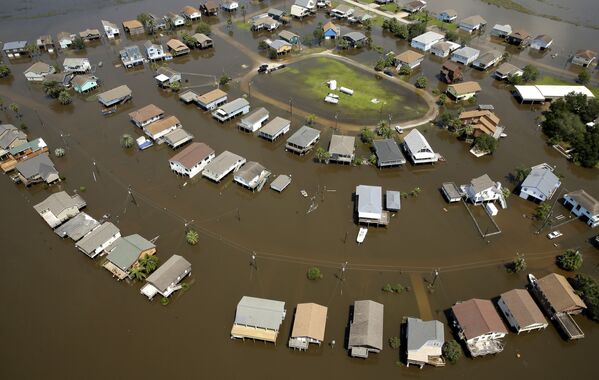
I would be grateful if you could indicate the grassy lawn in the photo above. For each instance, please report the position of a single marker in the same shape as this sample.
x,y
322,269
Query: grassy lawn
x,y
378,21
442,25
391,7
242,25
549,80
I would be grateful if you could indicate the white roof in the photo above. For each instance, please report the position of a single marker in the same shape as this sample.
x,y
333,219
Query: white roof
x,y
370,201
540,93
428,38
161,77
530,93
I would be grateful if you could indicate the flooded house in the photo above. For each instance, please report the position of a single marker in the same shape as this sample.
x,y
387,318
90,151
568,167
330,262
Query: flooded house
x,y
46,43
229,5
482,190
192,160
425,342
98,239
191,13
110,29
133,27
38,169
158,129
289,36
584,206
165,76
212,99
342,149
542,93
418,149
507,70
309,325
146,115
117,95
175,19
426,40
451,192
38,71
414,6
258,319
331,31
279,46
519,37
303,140
451,72
154,51
23,152
59,207
90,34
360,16
230,110
64,39
463,91
479,325
254,121
202,41
124,254
559,302
167,278
355,39
369,206
366,329
10,137
84,83
444,48
448,15
388,153
76,65
541,42
482,122
177,47
209,8
465,55
521,311
341,11
252,176
131,56
501,31
487,59
275,128
408,58
222,165
265,23
540,184
77,227
62,79
15,49
177,138
584,58
303,8
472,23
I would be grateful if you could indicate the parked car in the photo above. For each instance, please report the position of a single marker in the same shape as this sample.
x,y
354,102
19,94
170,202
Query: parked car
x,y
554,235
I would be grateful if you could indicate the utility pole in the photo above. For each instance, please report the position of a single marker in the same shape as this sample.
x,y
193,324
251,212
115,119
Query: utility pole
x,y
253,263
130,191
436,275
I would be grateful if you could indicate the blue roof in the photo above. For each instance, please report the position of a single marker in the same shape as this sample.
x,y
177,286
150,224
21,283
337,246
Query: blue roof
x,y
15,45
542,179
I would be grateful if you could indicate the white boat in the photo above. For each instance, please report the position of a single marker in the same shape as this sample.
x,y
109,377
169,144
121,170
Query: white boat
x,y
554,234
143,143
304,193
532,279
503,135
331,100
362,234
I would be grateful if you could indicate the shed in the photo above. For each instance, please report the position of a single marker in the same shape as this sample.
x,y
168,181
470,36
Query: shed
x,y
280,183
392,200
275,128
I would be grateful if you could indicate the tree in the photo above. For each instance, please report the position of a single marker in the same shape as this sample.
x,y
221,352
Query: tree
x,y
452,35
64,98
314,273
14,107
137,273
542,211
126,141
59,152
485,143
405,70
189,40
570,261
520,173
318,34
516,266
372,159
310,119
514,79
367,24
192,237
204,28
505,57
224,80
147,21
4,71
588,289
442,100
452,351
52,89
449,120
263,45
385,130
272,54
78,43
367,135
530,73
149,263
394,342
342,44
416,29
421,82
322,155
584,77
175,86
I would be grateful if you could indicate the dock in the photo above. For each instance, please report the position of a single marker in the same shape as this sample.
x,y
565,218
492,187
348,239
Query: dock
x,y
452,192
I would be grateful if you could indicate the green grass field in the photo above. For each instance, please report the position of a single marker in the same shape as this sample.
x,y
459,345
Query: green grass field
x,y
242,25
549,80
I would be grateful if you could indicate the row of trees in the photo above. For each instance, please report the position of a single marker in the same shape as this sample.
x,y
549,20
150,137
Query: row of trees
x,y
54,90
403,31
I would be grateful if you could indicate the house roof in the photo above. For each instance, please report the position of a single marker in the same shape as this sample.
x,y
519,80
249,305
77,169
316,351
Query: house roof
x,y
503,28
451,66
559,293
420,332
409,56
62,78
507,68
189,10
392,200
415,142
108,24
305,3
34,145
343,145
149,44
80,80
146,113
428,38
522,307
482,183
275,12
449,12
484,120
465,87
125,251
542,92
544,37
169,272
193,154
77,227
39,165
387,150
14,45
329,25
274,126
210,4
97,237
370,200
177,137
175,44
367,325
234,105
520,34
211,96
39,68
280,183
63,36
488,57
59,202
255,116
304,136
132,24
260,312
131,52
114,94
588,54
355,36
73,62
10,135
474,20
467,52
343,8
478,317
162,124
310,321
543,179
287,35
278,44
585,200
201,38
250,170
223,162
89,33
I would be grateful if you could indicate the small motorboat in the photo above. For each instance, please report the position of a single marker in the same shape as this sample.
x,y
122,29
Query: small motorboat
x,y
304,193
554,234
143,143
362,235
532,279
503,135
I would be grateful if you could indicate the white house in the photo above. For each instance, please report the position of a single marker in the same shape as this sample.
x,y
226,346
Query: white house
x,y
501,31
299,12
175,19
521,311
59,207
472,23
426,40
541,42
479,325
584,58
418,149
409,58
228,111
110,29
425,340
308,4
158,129
38,71
465,55
540,184
191,13
76,65
444,48
369,205
342,11
212,99
255,120
584,206
146,115
64,39
230,5
191,160
98,239
251,175
154,51
165,280
482,189
223,164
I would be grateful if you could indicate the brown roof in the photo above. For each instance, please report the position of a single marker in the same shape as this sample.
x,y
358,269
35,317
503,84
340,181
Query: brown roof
x,y
310,321
211,96
145,113
478,317
189,10
588,54
523,308
132,24
329,25
80,80
521,34
465,88
192,154
409,56
559,293
161,125
451,66
484,120
585,200
210,5
175,44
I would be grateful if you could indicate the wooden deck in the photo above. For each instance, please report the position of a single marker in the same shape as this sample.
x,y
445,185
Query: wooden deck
x,y
243,332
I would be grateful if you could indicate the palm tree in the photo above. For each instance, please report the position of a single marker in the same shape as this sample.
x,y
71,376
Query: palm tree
x,y
126,141
322,155
52,89
64,98
149,263
4,71
192,237
310,119
137,273
14,107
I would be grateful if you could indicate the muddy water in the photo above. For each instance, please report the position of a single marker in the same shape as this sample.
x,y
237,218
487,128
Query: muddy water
x,y
67,314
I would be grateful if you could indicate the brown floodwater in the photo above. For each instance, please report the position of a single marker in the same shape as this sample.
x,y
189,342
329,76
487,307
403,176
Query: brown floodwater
x,y
65,317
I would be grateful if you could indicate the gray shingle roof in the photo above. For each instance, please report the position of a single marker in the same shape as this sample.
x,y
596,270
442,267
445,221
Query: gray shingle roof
x,y
58,202
250,171
370,199
481,183
260,312
387,150
97,237
39,165
343,145
303,136
543,180
77,227
125,251
367,325
420,332
168,272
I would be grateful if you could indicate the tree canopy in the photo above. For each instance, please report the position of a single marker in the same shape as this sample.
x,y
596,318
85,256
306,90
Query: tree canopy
x,y
588,289
485,143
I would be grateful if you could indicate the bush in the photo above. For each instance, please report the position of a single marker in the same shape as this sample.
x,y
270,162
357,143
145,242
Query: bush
x,y
452,351
516,266
485,143
203,28
126,141
570,261
367,135
587,288
394,342
82,189
421,82
164,301
405,70
78,43
584,77
530,73
314,273
64,98
224,80
4,71
192,237
542,211
393,288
